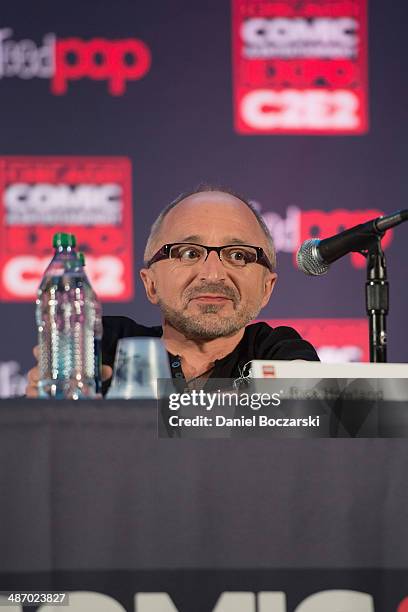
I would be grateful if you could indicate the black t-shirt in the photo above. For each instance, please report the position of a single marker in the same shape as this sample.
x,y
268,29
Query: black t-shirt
x,y
260,341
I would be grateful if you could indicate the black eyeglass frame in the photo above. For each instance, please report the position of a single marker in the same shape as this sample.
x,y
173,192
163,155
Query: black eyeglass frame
x,y
164,253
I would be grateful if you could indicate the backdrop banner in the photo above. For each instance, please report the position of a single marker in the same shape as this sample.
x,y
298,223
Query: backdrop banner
x,y
110,111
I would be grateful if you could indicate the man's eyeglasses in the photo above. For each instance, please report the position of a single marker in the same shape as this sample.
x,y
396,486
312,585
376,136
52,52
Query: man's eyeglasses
x,y
231,255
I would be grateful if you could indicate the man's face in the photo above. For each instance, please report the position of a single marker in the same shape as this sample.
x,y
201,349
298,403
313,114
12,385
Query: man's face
x,y
208,300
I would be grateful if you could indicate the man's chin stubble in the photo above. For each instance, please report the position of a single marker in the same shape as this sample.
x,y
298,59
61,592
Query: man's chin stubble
x,y
207,325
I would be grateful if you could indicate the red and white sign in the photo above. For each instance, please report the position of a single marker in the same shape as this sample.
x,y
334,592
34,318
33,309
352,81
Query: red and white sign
x,y
335,340
88,196
69,59
300,67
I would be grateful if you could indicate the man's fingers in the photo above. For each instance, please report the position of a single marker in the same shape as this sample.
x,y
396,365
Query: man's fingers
x,y
31,391
33,376
106,372
32,382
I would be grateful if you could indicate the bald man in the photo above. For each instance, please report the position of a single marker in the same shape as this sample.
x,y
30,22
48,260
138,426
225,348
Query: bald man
x,y
209,265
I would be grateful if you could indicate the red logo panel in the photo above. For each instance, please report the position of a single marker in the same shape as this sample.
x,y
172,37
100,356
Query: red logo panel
x,y
88,196
336,340
300,67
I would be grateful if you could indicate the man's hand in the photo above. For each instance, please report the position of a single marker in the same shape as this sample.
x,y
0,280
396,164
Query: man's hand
x,y
107,372
33,375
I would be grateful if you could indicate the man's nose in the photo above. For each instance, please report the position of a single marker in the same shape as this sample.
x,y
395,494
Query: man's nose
x,y
212,267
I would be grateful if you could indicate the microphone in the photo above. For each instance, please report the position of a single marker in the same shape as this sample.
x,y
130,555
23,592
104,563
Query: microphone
x,y
315,256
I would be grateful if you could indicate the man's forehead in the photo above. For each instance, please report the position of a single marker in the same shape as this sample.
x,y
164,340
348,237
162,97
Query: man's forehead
x,y
203,212
203,198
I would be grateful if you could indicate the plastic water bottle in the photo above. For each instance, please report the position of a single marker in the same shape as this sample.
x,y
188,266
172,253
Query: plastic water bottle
x,y
96,330
68,316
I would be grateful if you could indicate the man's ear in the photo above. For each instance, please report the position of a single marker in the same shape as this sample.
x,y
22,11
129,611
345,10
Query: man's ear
x,y
269,283
147,276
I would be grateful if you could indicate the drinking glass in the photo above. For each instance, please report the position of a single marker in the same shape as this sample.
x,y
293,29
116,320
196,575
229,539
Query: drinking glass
x,y
139,363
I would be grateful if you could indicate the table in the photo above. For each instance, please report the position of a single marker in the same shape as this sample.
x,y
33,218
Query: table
x,y
92,500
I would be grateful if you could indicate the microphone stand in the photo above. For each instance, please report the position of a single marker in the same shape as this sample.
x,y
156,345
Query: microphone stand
x,y
377,300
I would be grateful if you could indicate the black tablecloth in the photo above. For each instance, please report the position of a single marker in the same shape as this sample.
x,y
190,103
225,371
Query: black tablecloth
x,y
92,499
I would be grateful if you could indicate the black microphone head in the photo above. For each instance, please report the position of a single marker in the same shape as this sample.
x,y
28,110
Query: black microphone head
x,y
309,259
